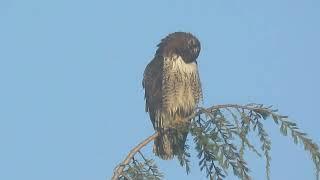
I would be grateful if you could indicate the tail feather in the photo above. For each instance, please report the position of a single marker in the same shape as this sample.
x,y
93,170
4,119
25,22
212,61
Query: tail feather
x,y
170,143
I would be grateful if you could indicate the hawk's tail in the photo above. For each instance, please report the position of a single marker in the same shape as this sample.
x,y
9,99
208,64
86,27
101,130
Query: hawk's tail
x,y
170,143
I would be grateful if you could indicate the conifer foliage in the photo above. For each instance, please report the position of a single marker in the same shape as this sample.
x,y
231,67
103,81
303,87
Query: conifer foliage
x,y
220,134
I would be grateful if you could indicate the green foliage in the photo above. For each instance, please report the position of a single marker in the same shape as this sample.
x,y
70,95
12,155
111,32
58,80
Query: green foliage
x,y
220,134
142,169
212,134
301,137
184,159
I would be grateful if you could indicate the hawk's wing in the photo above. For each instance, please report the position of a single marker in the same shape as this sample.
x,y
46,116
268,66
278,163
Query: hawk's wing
x,y
152,83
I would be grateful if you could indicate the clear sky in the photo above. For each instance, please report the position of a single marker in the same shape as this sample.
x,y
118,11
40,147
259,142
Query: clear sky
x,y
71,101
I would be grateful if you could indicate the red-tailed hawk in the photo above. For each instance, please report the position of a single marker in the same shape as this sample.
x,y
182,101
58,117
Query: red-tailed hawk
x,y
172,91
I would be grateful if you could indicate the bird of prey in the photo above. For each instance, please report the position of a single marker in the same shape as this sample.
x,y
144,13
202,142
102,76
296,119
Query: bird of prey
x,y
172,91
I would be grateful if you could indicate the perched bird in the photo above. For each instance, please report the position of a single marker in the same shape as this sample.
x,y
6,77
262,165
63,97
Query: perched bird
x,y
172,91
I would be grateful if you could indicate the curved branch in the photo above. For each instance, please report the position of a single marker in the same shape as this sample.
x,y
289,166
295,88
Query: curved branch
x,y
231,106
119,169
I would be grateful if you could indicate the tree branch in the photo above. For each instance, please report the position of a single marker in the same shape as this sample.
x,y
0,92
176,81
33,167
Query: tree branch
x,y
119,169
253,112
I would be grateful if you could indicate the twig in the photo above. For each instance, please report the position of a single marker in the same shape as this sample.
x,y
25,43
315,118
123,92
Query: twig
x,y
147,162
144,158
118,171
223,106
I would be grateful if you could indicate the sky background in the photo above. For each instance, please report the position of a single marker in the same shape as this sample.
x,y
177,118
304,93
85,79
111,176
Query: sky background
x,y
71,100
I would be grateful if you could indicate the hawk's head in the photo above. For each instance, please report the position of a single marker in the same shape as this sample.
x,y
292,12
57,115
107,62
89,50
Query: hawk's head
x,y
182,44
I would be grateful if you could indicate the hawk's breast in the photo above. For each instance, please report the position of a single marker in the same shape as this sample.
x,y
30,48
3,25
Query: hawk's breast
x,y
181,86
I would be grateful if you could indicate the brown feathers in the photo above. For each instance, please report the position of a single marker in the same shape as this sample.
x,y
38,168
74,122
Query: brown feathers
x,y
172,91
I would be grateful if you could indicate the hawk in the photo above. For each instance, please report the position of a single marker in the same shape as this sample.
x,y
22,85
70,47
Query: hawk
x,y
172,91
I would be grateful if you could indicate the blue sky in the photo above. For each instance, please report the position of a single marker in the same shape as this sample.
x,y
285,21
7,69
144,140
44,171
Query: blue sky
x,y
71,101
